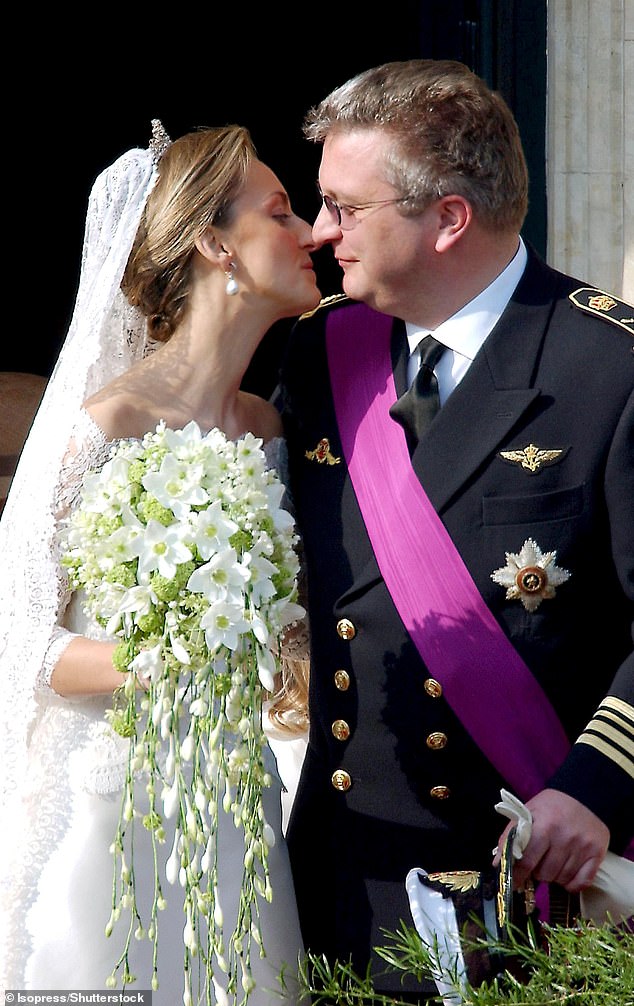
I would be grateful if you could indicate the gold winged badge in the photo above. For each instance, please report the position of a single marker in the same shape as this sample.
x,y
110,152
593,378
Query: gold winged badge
x,y
531,457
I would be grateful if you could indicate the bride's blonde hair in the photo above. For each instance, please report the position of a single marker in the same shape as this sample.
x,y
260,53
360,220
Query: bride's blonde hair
x,y
199,177
288,708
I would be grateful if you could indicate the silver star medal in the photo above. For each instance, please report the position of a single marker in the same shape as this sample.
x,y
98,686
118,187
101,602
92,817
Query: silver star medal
x,y
530,575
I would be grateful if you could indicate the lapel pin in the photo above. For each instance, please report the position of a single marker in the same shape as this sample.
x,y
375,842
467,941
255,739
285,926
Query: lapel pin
x,y
322,453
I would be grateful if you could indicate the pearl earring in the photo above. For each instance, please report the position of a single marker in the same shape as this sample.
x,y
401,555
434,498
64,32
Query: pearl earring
x,y
232,287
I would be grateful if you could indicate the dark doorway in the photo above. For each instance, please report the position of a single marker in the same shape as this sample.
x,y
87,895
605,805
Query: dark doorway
x,y
98,90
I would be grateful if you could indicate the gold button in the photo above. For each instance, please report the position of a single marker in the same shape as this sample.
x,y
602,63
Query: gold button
x,y
346,629
440,792
342,680
340,730
341,780
433,688
437,741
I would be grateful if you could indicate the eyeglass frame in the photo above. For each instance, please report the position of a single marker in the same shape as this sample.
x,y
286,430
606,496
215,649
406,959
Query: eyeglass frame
x,y
335,209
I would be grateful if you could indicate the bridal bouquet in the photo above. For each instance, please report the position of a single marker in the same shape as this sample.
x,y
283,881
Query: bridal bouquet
x,y
182,550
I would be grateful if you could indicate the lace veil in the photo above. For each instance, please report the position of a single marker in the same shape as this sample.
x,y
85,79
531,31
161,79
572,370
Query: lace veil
x,y
105,337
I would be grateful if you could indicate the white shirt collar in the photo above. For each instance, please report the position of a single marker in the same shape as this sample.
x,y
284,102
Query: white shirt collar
x,y
466,330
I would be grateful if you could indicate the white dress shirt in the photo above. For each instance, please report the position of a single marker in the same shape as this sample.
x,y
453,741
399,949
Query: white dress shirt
x,y
464,333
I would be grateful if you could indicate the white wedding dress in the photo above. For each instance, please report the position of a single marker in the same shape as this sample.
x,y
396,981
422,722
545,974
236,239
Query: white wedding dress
x,y
60,865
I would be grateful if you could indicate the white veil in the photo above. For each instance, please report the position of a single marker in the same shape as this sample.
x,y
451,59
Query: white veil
x,y
104,338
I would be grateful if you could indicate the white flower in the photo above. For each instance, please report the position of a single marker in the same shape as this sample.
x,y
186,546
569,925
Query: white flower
x,y
106,491
261,572
148,664
137,599
212,529
223,623
288,612
162,548
173,864
221,996
266,668
222,578
121,545
530,575
176,485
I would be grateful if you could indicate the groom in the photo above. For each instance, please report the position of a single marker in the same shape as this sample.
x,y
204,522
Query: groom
x,y
470,607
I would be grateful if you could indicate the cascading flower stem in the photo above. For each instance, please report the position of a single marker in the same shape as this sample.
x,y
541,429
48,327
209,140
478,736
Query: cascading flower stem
x,y
182,550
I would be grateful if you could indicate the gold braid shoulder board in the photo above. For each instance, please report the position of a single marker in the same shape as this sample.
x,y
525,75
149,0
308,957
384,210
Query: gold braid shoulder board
x,y
604,305
334,298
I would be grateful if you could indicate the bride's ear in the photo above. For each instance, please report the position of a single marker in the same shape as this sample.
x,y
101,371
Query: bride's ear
x,y
211,248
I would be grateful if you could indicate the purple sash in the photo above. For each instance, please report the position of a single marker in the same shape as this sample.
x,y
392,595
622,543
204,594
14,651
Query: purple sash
x,y
484,679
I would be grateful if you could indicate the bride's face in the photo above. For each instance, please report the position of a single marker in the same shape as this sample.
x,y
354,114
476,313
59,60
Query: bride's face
x,y
271,246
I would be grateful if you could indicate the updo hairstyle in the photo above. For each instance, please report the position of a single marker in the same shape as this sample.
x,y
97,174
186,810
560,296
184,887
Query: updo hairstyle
x,y
200,176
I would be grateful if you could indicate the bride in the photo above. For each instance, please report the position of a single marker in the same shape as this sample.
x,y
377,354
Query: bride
x,y
200,237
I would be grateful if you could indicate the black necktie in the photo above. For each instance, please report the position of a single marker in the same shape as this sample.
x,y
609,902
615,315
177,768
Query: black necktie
x,y
417,407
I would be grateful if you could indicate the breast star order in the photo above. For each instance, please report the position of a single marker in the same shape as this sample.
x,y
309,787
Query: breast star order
x,y
530,575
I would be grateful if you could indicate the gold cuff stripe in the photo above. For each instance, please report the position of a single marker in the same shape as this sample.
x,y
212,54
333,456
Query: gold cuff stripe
x,y
603,747
612,734
620,707
615,722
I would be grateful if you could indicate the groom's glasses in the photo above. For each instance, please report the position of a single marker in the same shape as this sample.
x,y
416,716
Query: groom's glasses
x,y
345,214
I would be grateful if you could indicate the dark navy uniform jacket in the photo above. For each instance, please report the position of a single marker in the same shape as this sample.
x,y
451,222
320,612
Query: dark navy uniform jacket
x,y
392,780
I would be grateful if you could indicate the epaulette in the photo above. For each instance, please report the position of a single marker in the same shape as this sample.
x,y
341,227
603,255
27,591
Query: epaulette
x,y
334,298
604,305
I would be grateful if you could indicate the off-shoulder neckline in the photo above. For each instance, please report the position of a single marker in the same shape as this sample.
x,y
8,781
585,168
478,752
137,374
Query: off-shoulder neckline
x,y
111,440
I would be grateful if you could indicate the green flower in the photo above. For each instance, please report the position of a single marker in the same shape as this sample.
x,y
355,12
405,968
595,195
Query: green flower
x,y
122,656
150,624
150,509
124,574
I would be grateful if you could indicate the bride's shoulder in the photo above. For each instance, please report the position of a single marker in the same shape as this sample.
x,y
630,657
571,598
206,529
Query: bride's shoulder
x,y
117,415
264,419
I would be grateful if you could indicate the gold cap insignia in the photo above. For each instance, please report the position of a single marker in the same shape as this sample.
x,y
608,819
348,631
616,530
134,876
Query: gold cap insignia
x,y
604,305
532,458
457,880
322,453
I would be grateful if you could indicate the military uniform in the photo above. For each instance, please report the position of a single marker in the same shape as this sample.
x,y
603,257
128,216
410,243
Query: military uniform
x,y
536,442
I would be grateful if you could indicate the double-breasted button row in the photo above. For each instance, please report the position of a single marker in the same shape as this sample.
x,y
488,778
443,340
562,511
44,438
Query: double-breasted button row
x,y
437,740
340,779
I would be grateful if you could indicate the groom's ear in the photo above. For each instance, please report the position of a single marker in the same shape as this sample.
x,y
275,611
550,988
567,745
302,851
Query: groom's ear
x,y
453,219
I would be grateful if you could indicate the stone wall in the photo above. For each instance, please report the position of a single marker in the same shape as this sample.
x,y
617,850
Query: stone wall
x,y
590,141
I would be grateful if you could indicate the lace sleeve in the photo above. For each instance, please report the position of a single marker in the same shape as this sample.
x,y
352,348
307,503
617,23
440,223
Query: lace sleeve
x,y
88,448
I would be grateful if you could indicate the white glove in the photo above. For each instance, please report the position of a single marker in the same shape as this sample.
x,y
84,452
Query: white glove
x,y
610,897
